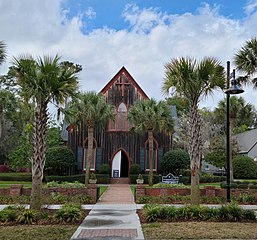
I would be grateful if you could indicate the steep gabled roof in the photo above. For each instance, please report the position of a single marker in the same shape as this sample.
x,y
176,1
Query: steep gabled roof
x,y
246,140
123,70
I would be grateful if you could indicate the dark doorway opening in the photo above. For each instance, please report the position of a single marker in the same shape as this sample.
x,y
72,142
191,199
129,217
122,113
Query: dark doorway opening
x,y
124,165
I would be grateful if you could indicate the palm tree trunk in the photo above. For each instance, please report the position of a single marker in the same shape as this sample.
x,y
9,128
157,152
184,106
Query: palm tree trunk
x,y
89,153
150,138
195,152
38,156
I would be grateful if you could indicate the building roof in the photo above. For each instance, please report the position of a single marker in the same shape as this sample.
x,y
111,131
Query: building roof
x,y
246,140
123,70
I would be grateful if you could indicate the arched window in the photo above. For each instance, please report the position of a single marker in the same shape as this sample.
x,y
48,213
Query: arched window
x,y
155,155
122,122
121,119
93,160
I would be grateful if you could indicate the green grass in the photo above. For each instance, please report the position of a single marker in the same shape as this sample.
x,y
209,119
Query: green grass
x,y
32,232
103,189
133,189
200,230
16,174
6,184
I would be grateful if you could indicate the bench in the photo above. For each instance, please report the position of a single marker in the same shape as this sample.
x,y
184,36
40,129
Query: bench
x,y
170,179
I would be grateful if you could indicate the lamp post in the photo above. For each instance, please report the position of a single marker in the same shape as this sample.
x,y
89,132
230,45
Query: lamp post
x,y
234,89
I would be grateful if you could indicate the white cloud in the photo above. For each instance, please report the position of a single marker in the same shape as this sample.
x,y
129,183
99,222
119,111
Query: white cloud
x,y
90,13
250,7
153,38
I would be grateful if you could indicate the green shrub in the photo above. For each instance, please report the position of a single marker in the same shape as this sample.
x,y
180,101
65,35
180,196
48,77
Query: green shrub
x,y
135,169
68,213
59,160
101,178
244,167
27,216
104,169
75,184
229,212
9,214
174,161
166,185
17,177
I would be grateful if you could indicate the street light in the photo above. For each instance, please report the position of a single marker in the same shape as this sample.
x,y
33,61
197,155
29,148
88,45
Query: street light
x,y
234,89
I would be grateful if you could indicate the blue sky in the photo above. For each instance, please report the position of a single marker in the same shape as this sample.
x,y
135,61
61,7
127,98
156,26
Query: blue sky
x,y
142,35
109,12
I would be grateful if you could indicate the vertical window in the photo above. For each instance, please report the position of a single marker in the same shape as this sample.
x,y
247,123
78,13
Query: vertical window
x,y
155,155
122,124
93,159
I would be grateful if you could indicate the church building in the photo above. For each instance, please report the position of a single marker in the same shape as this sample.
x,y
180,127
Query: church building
x,y
116,145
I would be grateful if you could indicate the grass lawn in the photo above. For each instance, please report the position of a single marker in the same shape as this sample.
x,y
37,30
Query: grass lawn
x,y
200,230
102,189
6,184
42,232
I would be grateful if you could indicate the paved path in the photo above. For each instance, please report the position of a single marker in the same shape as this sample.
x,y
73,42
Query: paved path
x,y
113,217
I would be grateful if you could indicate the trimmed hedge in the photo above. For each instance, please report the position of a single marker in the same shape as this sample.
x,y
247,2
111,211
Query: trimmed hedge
x,y
240,185
17,177
101,178
203,179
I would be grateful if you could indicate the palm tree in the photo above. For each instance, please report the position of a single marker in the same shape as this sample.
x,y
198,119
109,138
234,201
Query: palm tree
x,y
150,116
193,80
91,109
2,52
246,60
43,81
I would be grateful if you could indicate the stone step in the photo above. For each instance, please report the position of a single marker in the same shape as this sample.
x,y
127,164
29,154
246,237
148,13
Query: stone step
x,y
120,180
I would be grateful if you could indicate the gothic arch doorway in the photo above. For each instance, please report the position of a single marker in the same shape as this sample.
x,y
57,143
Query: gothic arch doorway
x,y
120,164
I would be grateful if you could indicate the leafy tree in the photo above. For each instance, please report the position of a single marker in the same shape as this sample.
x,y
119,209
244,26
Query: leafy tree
x,y
91,109
242,115
42,81
150,116
59,160
244,167
20,156
182,104
174,161
246,61
193,80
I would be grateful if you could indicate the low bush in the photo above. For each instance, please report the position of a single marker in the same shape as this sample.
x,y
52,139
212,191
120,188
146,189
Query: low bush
x,y
240,185
135,169
75,184
101,178
229,212
57,198
156,178
27,216
17,177
68,213
166,185
104,169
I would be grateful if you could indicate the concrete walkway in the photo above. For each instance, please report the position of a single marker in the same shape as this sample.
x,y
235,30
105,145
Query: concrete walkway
x,y
113,217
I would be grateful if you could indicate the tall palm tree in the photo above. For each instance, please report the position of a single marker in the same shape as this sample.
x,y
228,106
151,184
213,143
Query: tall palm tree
x,y
91,109
43,81
2,52
193,80
246,60
150,116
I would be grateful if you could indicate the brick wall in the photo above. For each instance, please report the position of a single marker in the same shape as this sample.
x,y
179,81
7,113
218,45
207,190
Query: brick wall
x,y
18,190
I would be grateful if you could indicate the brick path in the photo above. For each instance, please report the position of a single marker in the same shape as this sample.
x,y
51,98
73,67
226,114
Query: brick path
x,y
117,194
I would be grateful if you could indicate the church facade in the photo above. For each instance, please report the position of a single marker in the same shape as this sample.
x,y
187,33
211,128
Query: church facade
x,y
116,145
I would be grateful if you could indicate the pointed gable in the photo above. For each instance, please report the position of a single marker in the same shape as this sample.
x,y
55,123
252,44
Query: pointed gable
x,y
123,88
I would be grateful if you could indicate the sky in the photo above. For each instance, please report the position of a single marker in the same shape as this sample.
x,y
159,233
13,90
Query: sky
x,y
142,35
